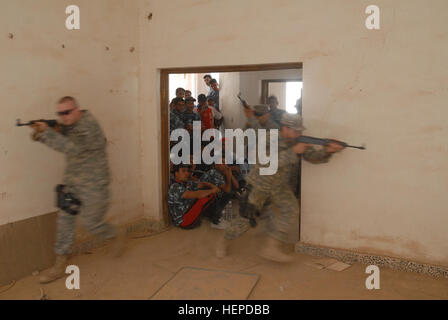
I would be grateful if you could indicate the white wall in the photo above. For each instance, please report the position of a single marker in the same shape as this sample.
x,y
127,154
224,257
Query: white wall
x,y
36,71
385,88
229,103
278,89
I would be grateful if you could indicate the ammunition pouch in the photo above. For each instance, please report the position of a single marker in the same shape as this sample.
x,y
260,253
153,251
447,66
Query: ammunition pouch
x,y
66,201
248,210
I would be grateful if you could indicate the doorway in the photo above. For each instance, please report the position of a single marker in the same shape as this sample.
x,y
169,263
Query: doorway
x,y
193,75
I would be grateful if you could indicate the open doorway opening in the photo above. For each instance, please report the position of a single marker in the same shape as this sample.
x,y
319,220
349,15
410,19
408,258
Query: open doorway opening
x,y
288,92
255,84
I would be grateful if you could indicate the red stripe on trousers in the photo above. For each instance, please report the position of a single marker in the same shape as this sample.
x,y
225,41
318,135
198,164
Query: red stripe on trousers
x,y
196,210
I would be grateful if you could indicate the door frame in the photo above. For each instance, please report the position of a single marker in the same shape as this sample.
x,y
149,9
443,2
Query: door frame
x,y
164,110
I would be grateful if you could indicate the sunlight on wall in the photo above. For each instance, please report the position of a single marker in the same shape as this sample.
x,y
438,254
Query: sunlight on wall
x,y
293,93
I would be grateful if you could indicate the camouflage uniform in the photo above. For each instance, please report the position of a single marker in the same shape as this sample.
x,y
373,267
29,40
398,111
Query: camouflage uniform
x,y
86,176
176,120
178,206
273,193
214,177
253,123
270,124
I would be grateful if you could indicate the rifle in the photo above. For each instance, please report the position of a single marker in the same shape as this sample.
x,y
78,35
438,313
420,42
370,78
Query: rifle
x,y
50,123
243,102
311,140
323,142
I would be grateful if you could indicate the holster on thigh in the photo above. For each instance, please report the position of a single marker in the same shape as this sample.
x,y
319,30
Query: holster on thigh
x,y
66,201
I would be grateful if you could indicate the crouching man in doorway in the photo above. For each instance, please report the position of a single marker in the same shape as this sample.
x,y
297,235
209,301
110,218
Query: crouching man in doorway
x,y
85,189
187,203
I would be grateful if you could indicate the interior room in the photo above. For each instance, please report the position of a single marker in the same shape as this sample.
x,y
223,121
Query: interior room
x,y
107,73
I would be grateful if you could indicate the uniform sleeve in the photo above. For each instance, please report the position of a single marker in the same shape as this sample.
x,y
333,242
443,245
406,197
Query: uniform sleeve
x,y
174,199
194,186
90,139
218,179
316,156
287,157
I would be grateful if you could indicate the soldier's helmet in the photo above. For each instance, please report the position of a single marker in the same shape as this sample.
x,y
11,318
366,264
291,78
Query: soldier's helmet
x,y
293,121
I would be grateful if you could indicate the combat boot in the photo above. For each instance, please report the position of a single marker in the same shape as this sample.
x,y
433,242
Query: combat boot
x,y
55,272
273,251
221,247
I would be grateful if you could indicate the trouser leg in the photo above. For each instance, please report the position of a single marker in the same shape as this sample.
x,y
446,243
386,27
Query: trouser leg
x,y
236,228
65,233
93,210
204,206
284,225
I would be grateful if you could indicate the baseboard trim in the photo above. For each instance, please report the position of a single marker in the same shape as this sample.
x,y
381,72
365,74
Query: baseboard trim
x,y
351,257
27,245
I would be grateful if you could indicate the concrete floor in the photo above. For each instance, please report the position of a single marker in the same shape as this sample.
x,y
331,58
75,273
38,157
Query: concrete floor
x,y
150,261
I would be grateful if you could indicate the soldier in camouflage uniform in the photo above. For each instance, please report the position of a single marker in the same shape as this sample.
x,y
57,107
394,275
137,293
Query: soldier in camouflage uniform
x,y
86,177
274,192
260,118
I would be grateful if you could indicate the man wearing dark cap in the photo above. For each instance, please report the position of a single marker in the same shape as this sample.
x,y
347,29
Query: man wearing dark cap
x,y
176,114
273,192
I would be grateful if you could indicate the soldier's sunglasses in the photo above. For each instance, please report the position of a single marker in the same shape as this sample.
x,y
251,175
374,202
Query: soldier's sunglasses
x,y
65,113
258,114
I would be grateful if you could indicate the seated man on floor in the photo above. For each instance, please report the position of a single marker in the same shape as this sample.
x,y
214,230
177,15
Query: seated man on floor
x,y
221,176
189,201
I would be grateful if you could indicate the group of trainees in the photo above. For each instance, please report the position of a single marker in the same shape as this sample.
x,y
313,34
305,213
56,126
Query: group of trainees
x,y
184,110
203,190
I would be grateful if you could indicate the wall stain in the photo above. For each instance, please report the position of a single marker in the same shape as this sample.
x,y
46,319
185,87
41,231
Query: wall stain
x,y
410,245
431,129
4,151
